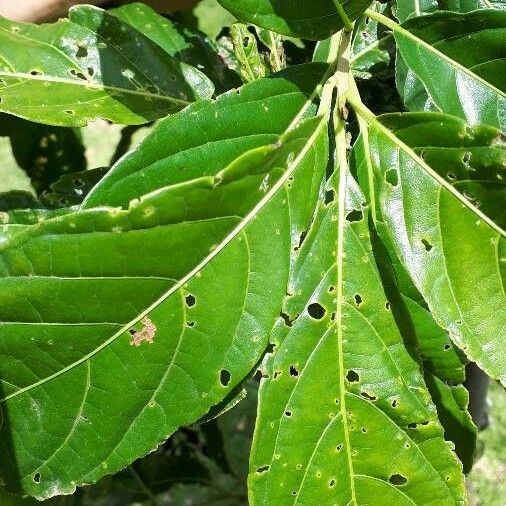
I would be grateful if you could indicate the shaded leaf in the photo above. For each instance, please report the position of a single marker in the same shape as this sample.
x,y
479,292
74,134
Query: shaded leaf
x,y
43,152
314,19
192,47
93,66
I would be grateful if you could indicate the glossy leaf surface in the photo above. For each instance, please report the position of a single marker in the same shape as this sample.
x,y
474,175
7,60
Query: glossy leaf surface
x,y
93,66
438,235
342,389
311,19
463,51
186,266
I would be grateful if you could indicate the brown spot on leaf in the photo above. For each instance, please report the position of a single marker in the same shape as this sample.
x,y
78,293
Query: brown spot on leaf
x,y
147,333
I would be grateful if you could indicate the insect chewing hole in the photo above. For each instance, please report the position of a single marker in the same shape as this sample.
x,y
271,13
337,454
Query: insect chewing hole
x,y
397,479
225,377
35,73
339,447
466,158
287,319
37,477
358,299
91,71
77,74
263,469
316,311
355,215
190,300
190,324
330,196
363,430
451,176
82,52
391,177
294,371
69,112
332,483
412,425
352,376
427,245
288,414
447,347
368,396
394,403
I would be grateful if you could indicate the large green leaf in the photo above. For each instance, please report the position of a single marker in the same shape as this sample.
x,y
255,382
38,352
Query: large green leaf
x,y
344,414
463,51
192,47
139,320
93,66
471,159
439,234
311,19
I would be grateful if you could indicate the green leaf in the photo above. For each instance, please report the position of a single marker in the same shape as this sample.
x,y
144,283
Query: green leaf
x,y
464,51
93,66
188,46
251,63
438,234
405,9
150,315
370,46
222,136
471,159
342,390
311,19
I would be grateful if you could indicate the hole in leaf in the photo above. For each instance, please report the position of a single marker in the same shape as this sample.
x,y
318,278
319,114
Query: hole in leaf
x,y
225,377
276,374
394,403
451,176
316,311
132,332
330,195
368,396
466,158
363,430
352,376
37,477
82,52
263,469
354,215
35,73
339,447
391,177
301,240
293,371
69,112
91,71
190,300
190,324
427,245
77,74
331,289
288,414
412,425
332,483
286,318
387,305
358,299
270,348
447,347
397,479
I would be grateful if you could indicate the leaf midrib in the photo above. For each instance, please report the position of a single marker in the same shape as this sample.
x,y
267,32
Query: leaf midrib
x,y
229,238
